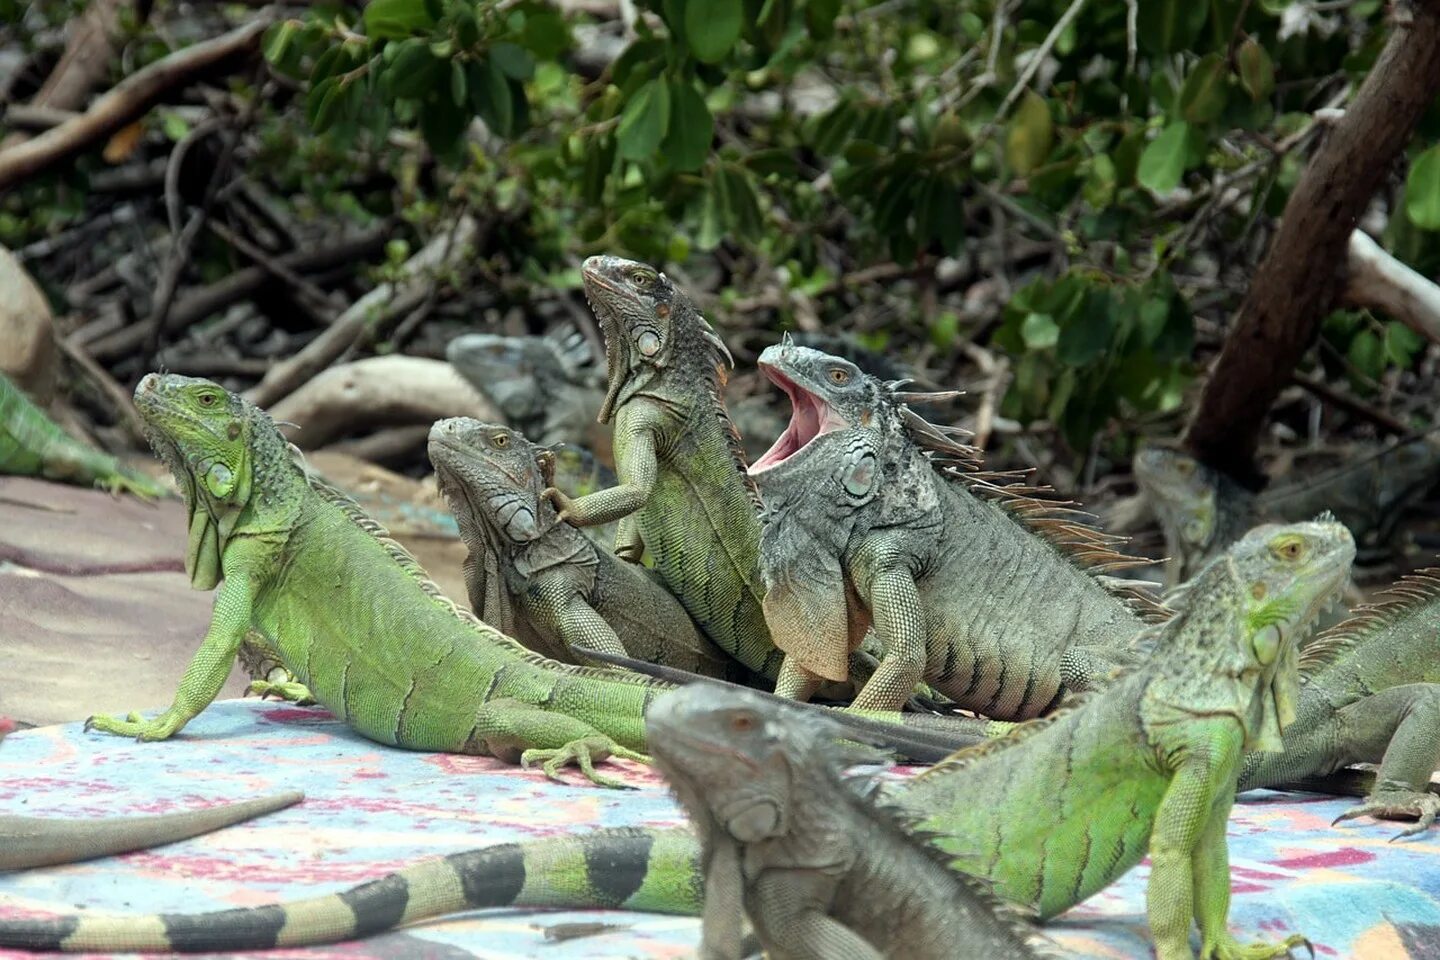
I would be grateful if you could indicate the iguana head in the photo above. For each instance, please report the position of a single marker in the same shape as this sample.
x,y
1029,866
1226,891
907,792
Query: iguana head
x,y
520,375
828,395
220,447
492,474
730,751
650,325
1182,491
1251,607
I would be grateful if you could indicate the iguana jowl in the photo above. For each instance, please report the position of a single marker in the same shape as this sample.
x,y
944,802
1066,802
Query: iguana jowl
x,y
542,581
821,869
865,524
27,842
1148,764
683,492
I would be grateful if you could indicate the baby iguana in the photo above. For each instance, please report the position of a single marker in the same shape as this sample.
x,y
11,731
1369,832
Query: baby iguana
x,y
821,870
1371,694
683,490
542,581
27,842
31,444
1149,764
870,519
352,615
1202,511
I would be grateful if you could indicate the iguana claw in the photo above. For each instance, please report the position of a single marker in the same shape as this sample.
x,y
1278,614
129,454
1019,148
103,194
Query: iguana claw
x,y
561,501
1397,805
291,691
1231,949
134,725
583,753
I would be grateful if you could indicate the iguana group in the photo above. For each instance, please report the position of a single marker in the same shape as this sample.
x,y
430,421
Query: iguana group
x,y
27,842
352,616
1202,511
875,516
1149,764
542,581
31,444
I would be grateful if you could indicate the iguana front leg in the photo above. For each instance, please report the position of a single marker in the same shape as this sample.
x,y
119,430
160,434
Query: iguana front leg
x,y
211,664
515,731
722,918
1401,725
637,464
900,625
791,908
557,605
629,545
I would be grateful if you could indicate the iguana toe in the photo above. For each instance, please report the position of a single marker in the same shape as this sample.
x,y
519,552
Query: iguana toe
x,y
583,753
1231,949
288,690
1397,805
134,725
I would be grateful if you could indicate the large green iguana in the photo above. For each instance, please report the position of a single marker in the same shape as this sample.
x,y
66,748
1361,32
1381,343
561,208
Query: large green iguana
x,y
27,842
1202,511
1148,764
1371,695
874,516
683,492
542,581
31,444
352,616
819,868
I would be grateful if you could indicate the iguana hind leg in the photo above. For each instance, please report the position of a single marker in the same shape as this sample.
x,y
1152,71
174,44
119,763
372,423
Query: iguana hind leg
x,y
1399,727
518,732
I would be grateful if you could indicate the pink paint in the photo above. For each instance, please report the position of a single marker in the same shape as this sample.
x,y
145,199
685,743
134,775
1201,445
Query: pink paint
x,y
1344,857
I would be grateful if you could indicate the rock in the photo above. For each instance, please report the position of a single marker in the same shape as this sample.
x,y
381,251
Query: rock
x,y
28,354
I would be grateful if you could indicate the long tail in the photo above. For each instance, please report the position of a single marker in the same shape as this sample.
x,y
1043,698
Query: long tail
x,y
651,870
27,842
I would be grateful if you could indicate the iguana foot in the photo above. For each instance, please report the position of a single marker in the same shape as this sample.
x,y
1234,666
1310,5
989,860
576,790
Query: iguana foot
x,y
161,728
1397,805
292,691
583,753
1231,949
561,501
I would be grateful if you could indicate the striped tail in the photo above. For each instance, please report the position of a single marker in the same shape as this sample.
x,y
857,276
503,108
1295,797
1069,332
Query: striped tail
x,y
628,868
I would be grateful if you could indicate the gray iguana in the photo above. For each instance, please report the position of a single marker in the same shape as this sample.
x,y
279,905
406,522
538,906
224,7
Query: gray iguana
x,y
1048,815
542,581
873,516
1202,511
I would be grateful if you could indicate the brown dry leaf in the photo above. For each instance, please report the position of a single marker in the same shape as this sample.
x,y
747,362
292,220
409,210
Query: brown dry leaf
x,y
123,143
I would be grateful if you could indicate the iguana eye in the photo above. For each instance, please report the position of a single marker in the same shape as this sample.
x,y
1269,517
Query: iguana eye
x,y
642,278
742,722
839,377
500,441
1185,468
207,399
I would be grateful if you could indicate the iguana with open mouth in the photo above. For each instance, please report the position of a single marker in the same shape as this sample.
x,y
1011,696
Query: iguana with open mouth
x,y
542,581
876,517
31,444
1202,511
1149,765
27,842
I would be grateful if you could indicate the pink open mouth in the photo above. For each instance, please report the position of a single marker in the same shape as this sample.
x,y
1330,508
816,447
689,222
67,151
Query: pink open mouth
x,y
810,417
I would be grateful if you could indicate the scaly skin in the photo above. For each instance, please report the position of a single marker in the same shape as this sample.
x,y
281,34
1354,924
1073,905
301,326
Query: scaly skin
x,y
352,615
1372,695
1148,764
27,842
542,581
820,870
682,486
862,527
1202,511
31,444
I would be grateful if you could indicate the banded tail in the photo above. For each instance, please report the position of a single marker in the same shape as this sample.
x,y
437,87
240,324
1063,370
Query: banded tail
x,y
651,870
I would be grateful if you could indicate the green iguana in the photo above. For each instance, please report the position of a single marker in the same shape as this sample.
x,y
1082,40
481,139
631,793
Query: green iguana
x,y
27,842
1371,695
31,444
1149,764
542,581
683,493
821,870
353,617
1202,511
874,516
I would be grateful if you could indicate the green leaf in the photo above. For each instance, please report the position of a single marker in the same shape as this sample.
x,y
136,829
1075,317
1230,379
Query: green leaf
x,y
328,109
1087,335
390,19
415,72
687,141
1202,99
1401,343
1367,355
1163,161
277,40
459,93
1257,73
644,121
1169,26
443,124
1031,134
1039,331
1422,190
490,96
514,61
737,202
712,27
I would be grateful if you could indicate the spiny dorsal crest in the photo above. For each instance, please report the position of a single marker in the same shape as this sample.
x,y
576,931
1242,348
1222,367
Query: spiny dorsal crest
x,y
1065,528
1404,597
969,756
